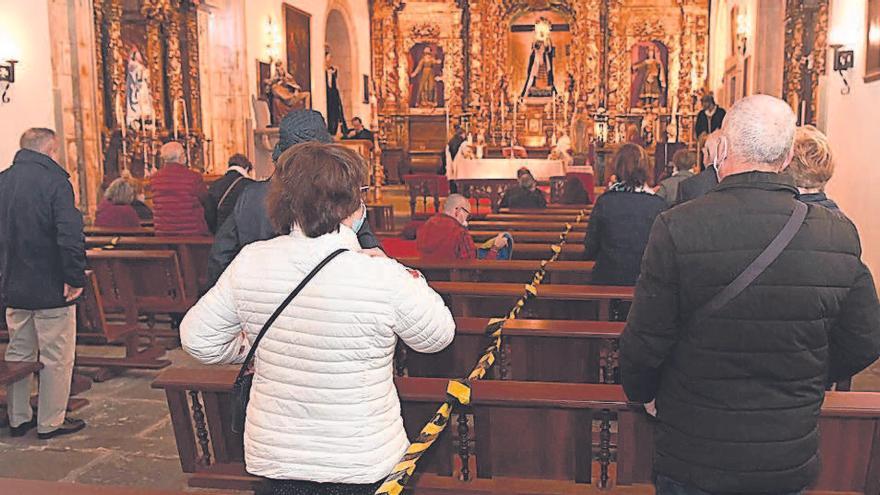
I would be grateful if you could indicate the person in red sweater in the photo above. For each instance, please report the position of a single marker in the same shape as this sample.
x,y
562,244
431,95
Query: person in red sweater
x,y
445,235
180,197
115,210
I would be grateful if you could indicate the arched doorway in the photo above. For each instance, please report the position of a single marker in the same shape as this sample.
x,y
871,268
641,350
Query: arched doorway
x,y
338,41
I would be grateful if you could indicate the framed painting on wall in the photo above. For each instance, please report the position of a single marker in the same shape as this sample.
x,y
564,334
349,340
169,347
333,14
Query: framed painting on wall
x,y
298,38
872,47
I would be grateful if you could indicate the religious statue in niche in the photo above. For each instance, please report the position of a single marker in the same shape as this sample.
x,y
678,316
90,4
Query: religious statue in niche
x,y
335,112
539,74
139,113
649,86
426,81
284,94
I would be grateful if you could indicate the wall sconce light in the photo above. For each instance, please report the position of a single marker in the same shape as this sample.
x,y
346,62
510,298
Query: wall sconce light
x,y
7,75
843,61
742,32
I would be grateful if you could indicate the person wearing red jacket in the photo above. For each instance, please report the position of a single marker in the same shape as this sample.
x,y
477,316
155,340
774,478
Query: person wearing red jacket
x,y
115,210
180,197
445,236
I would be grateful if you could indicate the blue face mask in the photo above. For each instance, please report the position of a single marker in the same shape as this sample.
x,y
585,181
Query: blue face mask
x,y
356,226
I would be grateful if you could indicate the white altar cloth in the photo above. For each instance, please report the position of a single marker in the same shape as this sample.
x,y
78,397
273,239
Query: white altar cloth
x,y
503,168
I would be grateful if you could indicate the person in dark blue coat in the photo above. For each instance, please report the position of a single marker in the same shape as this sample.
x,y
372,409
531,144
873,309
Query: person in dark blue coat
x,y
621,221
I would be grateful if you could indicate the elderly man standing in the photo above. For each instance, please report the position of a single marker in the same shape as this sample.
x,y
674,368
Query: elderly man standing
x,y
705,181
42,266
180,198
748,301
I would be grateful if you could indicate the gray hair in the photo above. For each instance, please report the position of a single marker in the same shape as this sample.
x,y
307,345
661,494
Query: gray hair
x,y
120,192
454,201
37,139
173,152
760,130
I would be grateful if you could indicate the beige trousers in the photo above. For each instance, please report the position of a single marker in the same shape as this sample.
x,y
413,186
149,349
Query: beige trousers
x,y
51,335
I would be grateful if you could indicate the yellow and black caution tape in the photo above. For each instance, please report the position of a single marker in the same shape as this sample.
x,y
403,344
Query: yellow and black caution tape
x,y
459,391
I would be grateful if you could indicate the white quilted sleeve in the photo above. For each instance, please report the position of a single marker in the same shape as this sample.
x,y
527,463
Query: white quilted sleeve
x,y
423,320
211,330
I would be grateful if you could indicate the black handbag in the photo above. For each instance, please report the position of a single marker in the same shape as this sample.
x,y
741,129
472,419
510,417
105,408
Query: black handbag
x,y
241,389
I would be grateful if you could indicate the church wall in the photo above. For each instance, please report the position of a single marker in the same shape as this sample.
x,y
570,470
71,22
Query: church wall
x,y
24,35
851,124
356,15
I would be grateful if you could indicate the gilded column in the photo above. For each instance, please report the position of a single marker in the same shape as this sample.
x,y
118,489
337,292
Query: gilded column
x,y
174,70
155,12
190,13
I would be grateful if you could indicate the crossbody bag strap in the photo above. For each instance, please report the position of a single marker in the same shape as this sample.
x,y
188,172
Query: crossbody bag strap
x,y
228,190
757,267
277,313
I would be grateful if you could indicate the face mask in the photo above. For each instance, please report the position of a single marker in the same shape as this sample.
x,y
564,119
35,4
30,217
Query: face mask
x,y
356,226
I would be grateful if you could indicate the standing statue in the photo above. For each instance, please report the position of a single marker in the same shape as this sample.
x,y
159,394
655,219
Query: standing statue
x,y
139,103
335,112
425,80
540,62
284,94
653,77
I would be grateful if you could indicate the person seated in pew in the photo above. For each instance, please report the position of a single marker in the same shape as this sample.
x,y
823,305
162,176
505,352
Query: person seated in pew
x,y
324,416
621,220
573,192
812,166
225,191
682,163
705,181
115,210
524,195
249,221
181,205
445,236
738,372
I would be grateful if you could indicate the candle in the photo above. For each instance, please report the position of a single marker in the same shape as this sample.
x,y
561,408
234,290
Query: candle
x,y
120,120
513,132
174,118
186,131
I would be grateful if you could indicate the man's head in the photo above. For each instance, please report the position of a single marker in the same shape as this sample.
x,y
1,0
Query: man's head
x,y
357,123
457,207
526,181
757,136
683,160
40,140
812,165
240,161
708,101
459,131
172,152
522,171
710,148
300,126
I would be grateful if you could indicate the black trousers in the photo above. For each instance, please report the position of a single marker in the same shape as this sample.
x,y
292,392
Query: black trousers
x,y
298,487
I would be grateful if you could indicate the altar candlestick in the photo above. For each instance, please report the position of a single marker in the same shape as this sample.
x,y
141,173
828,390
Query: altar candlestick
x,y
174,118
513,132
186,132
120,120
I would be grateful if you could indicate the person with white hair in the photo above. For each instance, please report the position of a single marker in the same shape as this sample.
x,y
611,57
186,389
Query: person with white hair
x,y
181,204
748,301
705,181
445,235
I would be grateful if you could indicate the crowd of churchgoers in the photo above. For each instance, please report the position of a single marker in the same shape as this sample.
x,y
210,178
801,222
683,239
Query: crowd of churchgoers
x,y
734,373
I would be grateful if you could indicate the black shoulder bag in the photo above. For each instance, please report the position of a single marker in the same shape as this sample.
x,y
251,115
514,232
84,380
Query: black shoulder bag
x,y
757,267
241,389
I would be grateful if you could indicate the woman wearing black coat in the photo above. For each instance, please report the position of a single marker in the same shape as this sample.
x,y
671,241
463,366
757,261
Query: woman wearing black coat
x,y
621,221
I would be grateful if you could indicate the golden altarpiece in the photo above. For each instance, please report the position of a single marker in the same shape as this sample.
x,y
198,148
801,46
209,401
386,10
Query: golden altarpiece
x,y
622,69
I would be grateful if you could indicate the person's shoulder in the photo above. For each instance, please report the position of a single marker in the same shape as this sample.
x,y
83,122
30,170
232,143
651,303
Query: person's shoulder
x,y
836,228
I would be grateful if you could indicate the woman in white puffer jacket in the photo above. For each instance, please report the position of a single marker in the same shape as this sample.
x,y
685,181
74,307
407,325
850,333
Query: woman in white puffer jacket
x,y
324,416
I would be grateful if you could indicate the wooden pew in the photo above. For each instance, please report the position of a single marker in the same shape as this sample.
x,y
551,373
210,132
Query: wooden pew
x,y
514,271
192,253
533,251
525,237
551,209
559,302
545,217
91,230
528,437
532,350
14,486
155,278
94,326
11,372
543,226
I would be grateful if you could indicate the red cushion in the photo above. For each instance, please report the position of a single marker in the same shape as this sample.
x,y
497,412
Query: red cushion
x,y
400,248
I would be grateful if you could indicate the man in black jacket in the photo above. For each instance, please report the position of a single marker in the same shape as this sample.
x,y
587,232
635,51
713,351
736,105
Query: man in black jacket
x,y
738,393
249,221
710,118
42,266
224,191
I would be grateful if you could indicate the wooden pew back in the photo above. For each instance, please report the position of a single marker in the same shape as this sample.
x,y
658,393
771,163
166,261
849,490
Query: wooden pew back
x,y
521,237
544,226
154,277
513,271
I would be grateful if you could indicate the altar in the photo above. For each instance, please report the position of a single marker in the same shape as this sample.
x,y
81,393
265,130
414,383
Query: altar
x,y
503,168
